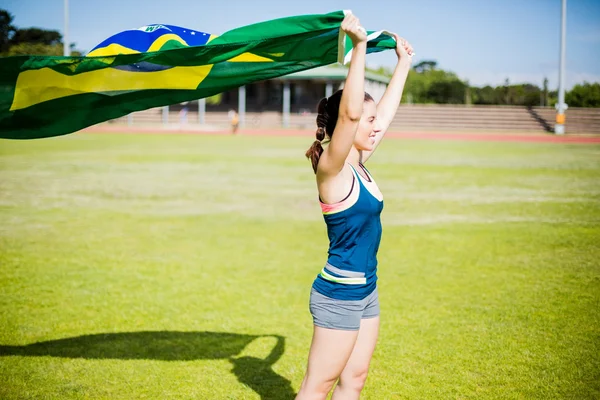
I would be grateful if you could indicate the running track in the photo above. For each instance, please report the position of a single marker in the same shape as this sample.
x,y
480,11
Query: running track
x,y
487,137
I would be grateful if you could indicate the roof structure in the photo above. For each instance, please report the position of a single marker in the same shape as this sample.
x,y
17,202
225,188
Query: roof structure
x,y
331,73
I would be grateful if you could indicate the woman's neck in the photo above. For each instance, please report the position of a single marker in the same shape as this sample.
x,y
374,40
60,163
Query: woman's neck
x,y
354,157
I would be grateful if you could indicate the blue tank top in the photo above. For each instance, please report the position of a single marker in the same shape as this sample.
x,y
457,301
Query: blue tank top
x,y
354,230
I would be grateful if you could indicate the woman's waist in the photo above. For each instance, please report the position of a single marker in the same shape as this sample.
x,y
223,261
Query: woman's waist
x,y
362,260
348,273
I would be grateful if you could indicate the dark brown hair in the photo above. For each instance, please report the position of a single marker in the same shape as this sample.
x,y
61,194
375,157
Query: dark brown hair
x,y
327,116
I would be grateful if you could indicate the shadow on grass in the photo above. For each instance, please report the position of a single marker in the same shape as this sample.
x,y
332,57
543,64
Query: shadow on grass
x,y
256,373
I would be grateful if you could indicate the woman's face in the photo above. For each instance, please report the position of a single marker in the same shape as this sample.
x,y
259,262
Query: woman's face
x,y
367,127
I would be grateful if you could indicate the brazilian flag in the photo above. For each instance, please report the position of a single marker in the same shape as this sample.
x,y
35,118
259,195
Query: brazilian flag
x,y
158,65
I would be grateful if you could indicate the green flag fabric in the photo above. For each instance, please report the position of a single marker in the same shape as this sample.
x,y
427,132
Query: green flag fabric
x,y
157,65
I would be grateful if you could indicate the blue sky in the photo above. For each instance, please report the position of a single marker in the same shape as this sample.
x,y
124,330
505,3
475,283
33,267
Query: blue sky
x,y
484,41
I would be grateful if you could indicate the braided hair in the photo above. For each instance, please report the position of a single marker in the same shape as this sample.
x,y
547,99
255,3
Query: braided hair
x,y
327,116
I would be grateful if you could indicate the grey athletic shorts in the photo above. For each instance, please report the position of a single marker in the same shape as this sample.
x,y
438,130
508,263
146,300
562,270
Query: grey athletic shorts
x,y
342,314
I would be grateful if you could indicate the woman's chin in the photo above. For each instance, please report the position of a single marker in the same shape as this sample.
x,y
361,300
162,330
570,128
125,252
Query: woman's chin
x,y
368,146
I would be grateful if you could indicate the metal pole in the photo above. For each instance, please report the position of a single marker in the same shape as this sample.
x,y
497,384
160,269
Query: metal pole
x,y
561,107
66,47
165,115
328,89
201,111
242,105
286,104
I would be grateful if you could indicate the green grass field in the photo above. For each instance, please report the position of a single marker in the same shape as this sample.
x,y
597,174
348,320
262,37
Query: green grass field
x,y
179,267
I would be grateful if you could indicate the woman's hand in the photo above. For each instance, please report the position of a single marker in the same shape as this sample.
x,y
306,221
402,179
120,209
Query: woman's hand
x,y
404,50
351,26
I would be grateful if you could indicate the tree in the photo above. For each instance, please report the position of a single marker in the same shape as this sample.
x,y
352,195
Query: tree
x,y
7,30
524,95
468,97
506,90
416,86
586,95
485,95
37,49
36,35
447,92
553,98
426,84
29,41
427,65
74,52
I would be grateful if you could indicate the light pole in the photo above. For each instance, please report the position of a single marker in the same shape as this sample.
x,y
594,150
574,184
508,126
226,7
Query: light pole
x,y
66,47
561,107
